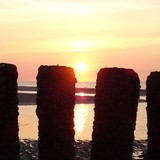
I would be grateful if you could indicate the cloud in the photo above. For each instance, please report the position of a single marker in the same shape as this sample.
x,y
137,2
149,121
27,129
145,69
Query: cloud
x,y
33,23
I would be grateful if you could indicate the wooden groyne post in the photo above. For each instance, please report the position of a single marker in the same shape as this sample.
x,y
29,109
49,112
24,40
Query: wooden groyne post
x,y
55,110
9,141
116,101
153,115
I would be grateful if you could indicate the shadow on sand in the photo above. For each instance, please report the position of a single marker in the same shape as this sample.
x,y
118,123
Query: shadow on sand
x,y
29,150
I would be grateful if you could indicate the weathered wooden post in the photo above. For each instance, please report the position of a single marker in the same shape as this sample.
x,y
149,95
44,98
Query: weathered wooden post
x,y
55,110
9,141
153,115
116,101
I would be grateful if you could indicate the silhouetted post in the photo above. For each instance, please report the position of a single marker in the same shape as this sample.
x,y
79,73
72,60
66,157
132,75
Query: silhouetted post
x,y
116,101
153,115
55,110
9,141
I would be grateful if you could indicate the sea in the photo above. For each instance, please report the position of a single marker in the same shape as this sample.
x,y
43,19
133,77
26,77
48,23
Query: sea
x,y
83,117
78,84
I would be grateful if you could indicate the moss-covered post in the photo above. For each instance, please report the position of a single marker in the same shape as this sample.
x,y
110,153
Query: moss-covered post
x,y
9,141
153,115
55,110
116,101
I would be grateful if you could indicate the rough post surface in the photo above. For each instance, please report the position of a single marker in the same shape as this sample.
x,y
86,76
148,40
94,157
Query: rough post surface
x,y
116,101
153,115
55,110
9,141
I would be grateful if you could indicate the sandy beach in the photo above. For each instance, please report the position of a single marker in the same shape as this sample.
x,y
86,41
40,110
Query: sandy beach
x,y
28,120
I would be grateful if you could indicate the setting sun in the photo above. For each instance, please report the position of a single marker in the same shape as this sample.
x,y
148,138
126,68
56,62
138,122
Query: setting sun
x,y
81,67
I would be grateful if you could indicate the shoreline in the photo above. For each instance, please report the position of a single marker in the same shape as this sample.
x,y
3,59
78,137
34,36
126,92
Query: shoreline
x,y
78,90
28,97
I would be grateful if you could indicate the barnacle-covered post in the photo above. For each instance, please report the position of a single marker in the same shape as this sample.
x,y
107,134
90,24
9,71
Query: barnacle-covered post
x,y
9,141
116,101
153,115
55,110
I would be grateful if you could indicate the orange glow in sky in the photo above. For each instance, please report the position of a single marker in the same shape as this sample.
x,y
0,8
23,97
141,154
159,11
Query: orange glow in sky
x,y
81,67
102,34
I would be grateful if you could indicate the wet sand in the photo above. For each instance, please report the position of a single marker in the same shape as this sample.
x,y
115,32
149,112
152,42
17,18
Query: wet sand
x,y
29,150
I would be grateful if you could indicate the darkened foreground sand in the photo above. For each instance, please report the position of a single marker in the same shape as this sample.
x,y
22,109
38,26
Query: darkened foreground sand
x,y
29,150
30,98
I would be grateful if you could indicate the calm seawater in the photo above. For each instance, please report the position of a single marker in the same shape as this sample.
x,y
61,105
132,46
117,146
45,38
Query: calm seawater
x,y
83,118
78,84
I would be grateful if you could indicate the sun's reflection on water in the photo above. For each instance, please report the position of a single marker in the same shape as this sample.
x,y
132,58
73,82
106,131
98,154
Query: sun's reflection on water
x,y
81,94
83,115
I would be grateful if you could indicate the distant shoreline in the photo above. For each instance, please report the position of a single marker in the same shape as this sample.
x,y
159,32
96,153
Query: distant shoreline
x,y
30,98
78,90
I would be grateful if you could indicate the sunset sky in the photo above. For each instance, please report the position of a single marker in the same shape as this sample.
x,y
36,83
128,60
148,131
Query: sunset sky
x,y
100,33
